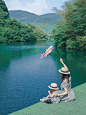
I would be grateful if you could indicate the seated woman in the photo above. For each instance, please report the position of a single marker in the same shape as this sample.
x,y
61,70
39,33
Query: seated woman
x,y
66,93
51,97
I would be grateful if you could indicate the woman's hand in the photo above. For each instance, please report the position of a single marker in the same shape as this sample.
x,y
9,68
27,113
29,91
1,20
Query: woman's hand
x,y
61,60
65,93
56,95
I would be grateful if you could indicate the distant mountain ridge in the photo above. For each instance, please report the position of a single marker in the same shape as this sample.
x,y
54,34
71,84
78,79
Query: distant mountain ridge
x,y
27,17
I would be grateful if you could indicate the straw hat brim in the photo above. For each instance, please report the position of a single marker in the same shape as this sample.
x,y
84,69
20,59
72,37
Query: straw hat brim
x,y
63,72
53,88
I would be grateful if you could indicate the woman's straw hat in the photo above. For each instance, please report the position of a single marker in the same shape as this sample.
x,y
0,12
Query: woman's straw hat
x,y
64,70
53,86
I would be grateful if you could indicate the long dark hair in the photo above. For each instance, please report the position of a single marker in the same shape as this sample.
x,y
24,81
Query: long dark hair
x,y
65,76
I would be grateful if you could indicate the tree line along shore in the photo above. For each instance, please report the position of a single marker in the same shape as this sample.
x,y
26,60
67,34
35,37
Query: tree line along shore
x,y
69,31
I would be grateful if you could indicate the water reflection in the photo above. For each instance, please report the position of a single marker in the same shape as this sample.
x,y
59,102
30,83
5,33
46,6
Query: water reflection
x,y
8,51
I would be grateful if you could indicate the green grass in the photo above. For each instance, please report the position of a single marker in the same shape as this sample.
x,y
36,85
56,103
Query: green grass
x,y
77,107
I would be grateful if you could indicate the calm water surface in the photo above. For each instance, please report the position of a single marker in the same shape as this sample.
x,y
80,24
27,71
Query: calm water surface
x,y
24,76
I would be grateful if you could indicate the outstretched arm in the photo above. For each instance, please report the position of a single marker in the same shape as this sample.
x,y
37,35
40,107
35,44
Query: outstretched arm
x,y
65,93
61,60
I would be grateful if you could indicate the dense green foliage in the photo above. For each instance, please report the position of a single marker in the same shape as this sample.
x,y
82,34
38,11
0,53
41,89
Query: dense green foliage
x,y
40,34
27,17
12,30
71,31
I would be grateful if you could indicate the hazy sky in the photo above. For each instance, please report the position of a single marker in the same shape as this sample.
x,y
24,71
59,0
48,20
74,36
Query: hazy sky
x,y
35,6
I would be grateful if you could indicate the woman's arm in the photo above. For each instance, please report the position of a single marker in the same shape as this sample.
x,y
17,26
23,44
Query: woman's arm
x,y
61,60
65,93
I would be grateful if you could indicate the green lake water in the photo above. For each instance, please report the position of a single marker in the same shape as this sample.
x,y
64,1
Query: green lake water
x,y
24,76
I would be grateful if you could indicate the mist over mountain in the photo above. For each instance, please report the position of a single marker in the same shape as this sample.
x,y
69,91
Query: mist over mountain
x,y
27,17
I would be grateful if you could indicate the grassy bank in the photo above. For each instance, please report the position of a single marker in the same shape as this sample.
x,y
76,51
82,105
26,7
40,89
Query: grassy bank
x,y
76,107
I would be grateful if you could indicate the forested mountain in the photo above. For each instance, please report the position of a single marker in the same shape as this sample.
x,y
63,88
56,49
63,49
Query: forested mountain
x,y
23,16
27,17
11,30
71,31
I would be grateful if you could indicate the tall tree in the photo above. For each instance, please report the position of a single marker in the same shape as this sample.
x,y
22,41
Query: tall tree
x,y
71,31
